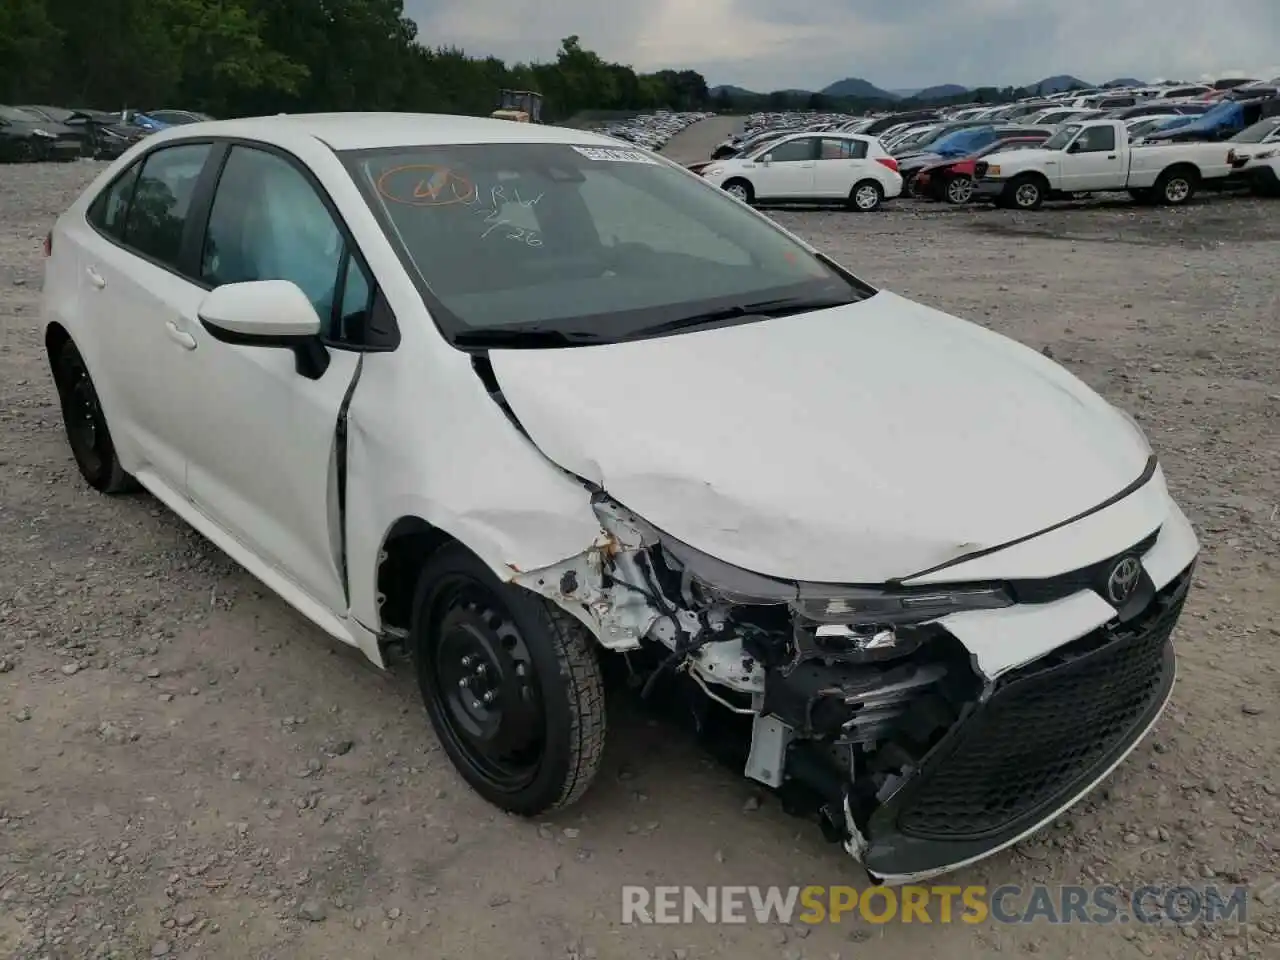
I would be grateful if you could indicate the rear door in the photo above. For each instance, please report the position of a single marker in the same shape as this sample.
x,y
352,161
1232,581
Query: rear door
x,y
841,163
135,294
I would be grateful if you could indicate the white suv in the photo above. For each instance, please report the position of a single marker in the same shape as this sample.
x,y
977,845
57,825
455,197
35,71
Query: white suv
x,y
812,167
524,400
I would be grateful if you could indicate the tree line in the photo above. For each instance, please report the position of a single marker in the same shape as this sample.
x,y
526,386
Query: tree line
x,y
253,57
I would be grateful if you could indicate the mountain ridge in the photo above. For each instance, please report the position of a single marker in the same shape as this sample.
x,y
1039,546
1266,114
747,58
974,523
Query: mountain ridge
x,y
857,87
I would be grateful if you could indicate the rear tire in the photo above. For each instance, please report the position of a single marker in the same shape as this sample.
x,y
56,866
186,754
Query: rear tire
x,y
86,424
1176,187
511,685
866,196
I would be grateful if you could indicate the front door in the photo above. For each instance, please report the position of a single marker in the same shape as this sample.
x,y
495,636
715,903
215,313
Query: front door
x,y
789,173
1093,162
262,462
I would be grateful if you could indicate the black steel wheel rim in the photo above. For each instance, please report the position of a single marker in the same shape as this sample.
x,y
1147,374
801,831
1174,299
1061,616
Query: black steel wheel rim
x,y
83,415
480,675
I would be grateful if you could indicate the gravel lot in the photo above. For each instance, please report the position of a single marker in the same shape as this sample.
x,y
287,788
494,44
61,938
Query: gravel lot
x,y
189,769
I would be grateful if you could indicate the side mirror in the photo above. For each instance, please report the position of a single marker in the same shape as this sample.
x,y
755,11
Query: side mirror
x,y
1075,147
766,159
267,313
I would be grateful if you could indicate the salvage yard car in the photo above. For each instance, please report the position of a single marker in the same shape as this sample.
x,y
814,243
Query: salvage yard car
x,y
1097,157
847,168
525,401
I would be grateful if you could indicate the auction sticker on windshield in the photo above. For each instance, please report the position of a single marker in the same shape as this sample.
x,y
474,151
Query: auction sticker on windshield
x,y
614,154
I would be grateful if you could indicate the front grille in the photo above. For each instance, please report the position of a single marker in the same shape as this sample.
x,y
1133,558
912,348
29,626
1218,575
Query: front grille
x,y
980,169
1047,729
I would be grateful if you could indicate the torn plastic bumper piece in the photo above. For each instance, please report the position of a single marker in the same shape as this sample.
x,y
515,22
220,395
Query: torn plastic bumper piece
x,y
1043,737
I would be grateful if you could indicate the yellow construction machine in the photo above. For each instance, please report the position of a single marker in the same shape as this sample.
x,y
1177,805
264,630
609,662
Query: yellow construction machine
x,y
522,106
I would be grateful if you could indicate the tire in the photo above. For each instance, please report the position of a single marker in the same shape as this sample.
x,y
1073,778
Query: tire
x,y
740,189
511,684
866,196
1025,193
1176,187
958,190
86,424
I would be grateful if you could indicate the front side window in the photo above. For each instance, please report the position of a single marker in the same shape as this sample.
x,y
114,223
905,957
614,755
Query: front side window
x,y
1096,140
793,151
157,212
268,223
593,243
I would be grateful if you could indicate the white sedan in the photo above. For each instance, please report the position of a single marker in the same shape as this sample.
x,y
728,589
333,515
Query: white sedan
x,y
826,167
524,400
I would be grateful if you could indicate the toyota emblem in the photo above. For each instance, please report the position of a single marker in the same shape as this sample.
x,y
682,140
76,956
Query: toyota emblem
x,y
1123,580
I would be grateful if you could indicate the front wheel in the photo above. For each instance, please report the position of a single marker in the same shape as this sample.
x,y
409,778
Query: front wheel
x,y
959,189
1025,193
511,685
866,196
740,190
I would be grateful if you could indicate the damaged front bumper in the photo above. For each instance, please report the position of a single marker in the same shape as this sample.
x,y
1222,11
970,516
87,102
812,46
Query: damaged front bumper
x,y
952,740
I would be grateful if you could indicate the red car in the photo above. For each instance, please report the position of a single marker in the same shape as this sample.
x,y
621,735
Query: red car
x,y
952,180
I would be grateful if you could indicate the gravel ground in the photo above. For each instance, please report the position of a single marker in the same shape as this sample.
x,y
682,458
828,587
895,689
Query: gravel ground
x,y
189,769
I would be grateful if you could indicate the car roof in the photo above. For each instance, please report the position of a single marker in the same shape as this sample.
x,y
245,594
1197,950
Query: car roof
x,y
361,131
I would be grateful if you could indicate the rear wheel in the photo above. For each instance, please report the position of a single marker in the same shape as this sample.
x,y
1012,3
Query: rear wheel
x,y
86,424
866,196
1176,187
511,685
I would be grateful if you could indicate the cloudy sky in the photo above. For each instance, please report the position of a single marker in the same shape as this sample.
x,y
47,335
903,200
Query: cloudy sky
x,y
778,44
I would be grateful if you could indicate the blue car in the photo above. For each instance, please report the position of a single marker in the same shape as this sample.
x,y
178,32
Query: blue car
x,y
153,120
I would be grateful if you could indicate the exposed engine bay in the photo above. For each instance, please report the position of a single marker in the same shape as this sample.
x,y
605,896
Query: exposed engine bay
x,y
841,699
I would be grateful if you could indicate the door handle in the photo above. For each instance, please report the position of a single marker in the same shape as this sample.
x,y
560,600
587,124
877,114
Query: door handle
x,y
179,336
1111,156
97,279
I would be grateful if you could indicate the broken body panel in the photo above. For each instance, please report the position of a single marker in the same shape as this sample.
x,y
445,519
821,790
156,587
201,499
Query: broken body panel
x,y
665,535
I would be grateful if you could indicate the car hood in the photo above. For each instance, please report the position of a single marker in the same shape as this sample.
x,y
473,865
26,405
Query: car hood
x,y
856,444
1022,157
918,161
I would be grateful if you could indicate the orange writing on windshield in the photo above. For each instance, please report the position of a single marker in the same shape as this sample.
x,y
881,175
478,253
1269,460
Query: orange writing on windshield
x,y
425,185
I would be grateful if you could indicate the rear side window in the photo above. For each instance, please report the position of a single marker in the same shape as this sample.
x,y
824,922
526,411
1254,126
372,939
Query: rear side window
x,y
841,149
157,213
109,209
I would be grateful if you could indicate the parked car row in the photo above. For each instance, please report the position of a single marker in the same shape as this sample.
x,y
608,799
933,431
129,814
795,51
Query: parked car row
x,y
32,132
1162,150
652,130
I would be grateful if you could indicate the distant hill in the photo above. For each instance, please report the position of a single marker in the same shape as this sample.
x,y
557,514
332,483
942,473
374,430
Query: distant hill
x,y
1057,84
905,93
1124,82
730,90
857,87
941,92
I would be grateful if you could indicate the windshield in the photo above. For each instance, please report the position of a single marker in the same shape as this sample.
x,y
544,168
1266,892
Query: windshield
x,y
1064,136
963,141
1258,132
585,243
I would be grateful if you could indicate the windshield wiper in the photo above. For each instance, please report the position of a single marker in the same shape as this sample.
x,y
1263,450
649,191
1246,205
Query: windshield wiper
x,y
523,337
764,309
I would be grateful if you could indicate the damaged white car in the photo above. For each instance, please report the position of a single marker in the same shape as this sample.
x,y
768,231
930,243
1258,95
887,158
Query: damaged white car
x,y
526,400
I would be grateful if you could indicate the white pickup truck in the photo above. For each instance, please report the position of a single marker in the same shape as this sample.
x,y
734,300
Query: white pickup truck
x,y
1095,156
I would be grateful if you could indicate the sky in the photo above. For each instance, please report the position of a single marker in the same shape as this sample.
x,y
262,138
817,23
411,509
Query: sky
x,y
807,44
